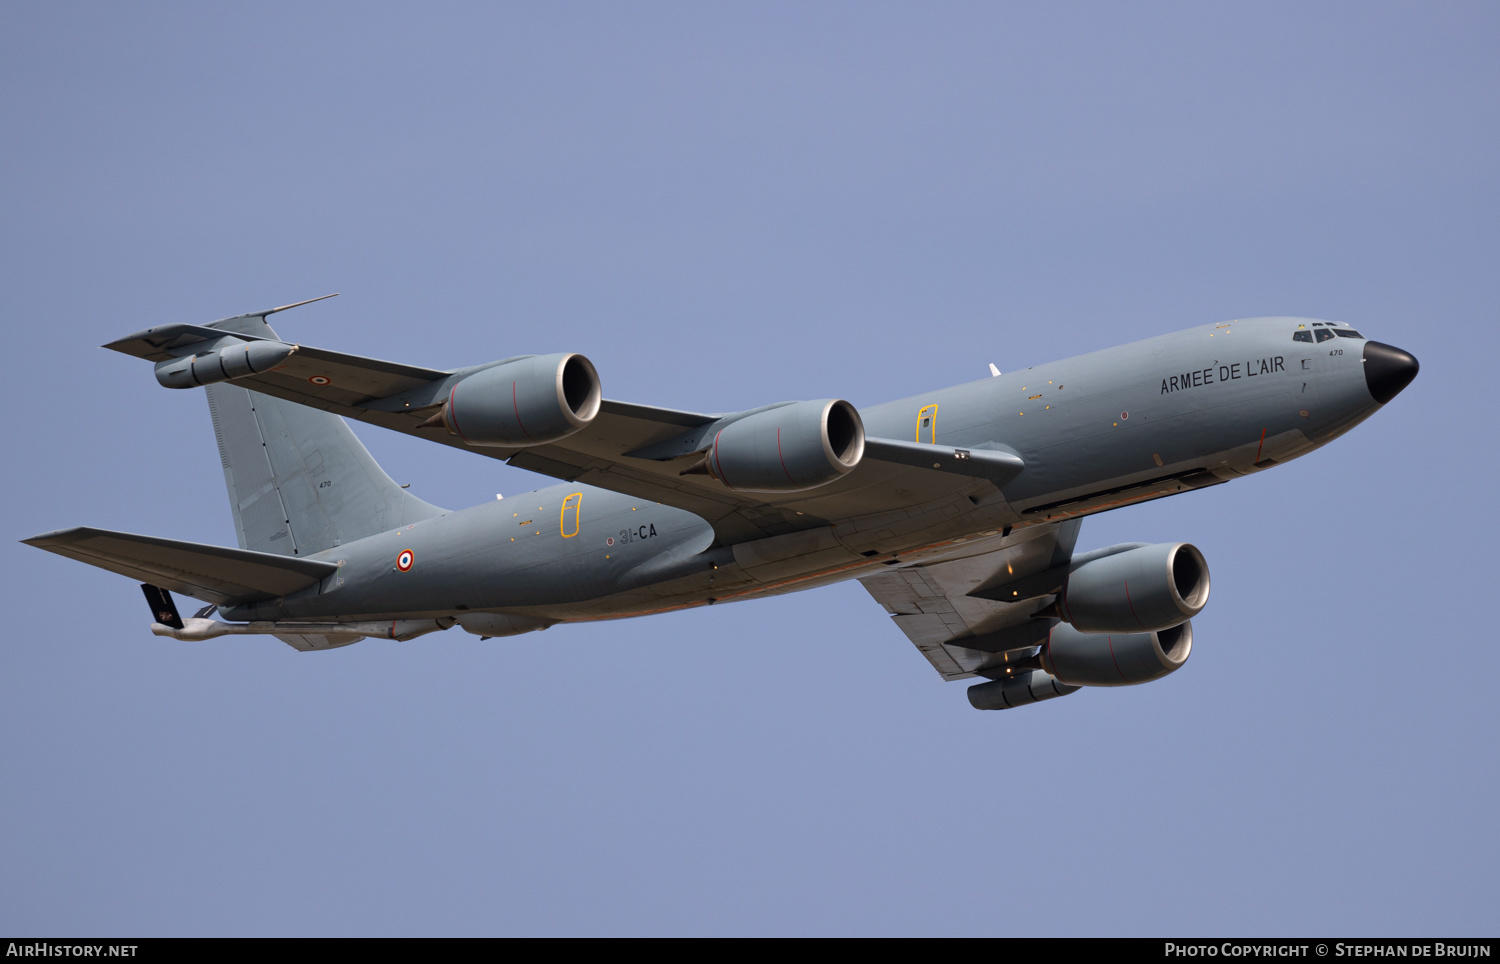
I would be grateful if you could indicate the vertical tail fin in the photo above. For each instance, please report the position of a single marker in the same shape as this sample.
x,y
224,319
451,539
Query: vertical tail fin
x,y
299,480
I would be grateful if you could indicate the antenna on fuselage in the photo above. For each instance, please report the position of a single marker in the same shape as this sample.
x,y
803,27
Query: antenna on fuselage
x,y
994,372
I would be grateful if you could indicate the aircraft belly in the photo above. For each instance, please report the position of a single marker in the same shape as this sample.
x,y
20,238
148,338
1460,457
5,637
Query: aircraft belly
x,y
784,564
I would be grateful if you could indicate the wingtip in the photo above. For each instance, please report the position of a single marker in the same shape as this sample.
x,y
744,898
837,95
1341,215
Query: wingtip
x,y
43,539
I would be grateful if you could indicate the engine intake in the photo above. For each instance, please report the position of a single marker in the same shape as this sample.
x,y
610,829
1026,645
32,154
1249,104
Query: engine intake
x,y
1146,589
529,401
1093,659
798,446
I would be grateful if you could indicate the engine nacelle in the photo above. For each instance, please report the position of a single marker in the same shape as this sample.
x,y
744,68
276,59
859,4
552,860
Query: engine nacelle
x,y
1139,590
797,446
1032,686
1098,659
528,401
234,360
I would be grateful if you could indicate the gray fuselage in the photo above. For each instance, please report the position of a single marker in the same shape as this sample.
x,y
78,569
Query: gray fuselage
x,y
1110,428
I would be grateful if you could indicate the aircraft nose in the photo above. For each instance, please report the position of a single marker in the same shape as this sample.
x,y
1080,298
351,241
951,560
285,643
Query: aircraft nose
x,y
1387,370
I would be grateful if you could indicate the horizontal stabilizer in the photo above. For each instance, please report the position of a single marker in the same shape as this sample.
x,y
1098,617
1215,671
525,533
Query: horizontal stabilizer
x,y
212,573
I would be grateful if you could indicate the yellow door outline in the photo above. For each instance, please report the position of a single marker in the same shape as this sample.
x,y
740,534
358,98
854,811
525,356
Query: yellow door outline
x,y
572,502
927,418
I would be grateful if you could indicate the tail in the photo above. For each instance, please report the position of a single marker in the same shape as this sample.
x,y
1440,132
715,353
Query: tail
x,y
299,480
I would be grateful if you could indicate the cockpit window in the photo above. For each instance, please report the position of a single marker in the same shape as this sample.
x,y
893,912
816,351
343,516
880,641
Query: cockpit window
x,y
1347,333
1323,334
1303,335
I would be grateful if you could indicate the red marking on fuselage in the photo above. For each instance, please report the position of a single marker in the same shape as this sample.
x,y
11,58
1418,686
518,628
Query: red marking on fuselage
x,y
1261,445
783,458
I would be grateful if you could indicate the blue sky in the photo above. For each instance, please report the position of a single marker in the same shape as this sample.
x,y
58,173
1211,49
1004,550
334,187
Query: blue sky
x,y
724,206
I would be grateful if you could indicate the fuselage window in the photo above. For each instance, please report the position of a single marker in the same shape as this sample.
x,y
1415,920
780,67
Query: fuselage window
x,y
1347,333
1323,334
1303,335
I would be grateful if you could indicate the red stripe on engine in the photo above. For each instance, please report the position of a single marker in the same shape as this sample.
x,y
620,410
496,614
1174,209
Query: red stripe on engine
x,y
1111,641
453,414
517,406
1047,658
1132,606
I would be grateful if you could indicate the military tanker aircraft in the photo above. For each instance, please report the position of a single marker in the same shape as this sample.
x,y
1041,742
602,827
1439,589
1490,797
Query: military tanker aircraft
x,y
957,509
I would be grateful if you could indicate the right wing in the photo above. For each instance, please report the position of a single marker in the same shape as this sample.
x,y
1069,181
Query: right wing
x,y
962,612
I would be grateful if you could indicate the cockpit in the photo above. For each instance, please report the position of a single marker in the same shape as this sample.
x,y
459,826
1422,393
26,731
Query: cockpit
x,y
1323,331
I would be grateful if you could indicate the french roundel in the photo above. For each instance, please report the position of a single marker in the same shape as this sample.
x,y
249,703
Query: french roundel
x,y
405,560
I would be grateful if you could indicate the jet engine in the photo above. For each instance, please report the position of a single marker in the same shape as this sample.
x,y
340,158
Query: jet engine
x,y
1097,659
528,401
1148,588
784,449
235,359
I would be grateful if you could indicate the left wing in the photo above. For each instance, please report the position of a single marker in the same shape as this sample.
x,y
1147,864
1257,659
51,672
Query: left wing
x,y
961,612
619,450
